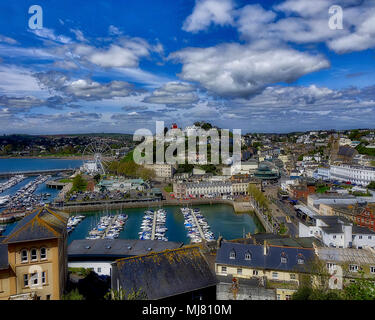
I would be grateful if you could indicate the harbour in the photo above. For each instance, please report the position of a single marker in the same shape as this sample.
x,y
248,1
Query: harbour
x,y
222,219
168,224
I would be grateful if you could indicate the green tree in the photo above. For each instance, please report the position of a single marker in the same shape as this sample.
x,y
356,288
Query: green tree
x,y
360,289
371,185
73,295
145,174
123,295
97,178
79,184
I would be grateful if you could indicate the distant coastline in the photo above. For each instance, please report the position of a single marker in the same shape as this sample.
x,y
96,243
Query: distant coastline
x,y
47,157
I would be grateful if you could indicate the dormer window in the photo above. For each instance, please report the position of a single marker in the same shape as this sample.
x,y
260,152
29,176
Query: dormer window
x,y
232,255
284,258
247,255
300,259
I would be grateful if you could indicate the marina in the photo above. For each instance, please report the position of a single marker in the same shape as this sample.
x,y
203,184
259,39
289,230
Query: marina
x,y
73,221
10,183
109,227
197,226
153,225
25,198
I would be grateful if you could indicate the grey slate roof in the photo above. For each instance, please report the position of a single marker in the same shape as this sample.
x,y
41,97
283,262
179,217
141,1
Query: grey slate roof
x,y
116,248
3,255
270,261
164,274
362,230
41,224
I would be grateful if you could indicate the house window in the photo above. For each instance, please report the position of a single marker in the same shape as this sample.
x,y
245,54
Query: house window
x,y
360,237
48,297
288,297
353,268
278,297
255,272
224,269
34,278
372,269
33,255
25,280
247,256
99,270
292,276
300,261
24,257
275,275
44,277
43,253
239,271
232,255
334,237
369,237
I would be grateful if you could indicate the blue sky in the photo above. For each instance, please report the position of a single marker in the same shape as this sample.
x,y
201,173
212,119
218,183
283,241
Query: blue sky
x,y
117,66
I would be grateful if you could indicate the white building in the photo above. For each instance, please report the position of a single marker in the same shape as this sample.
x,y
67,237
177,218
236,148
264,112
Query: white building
x,y
345,142
323,173
343,264
162,170
355,174
338,232
245,167
210,188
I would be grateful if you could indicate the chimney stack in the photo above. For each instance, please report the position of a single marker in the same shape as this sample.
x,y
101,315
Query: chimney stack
x,y
265,247
219,240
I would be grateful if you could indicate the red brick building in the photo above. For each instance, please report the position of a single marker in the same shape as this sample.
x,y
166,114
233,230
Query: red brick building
x,y
367,217
301,192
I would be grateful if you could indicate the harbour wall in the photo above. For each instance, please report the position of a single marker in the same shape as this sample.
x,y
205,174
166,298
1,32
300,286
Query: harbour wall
x,y
141,204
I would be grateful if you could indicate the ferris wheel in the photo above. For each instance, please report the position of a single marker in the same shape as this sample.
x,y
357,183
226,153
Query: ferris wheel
x,y
96,157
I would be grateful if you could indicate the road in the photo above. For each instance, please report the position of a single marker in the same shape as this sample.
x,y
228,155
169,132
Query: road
x,y
280,210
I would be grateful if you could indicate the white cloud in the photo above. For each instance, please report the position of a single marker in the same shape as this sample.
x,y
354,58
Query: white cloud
x,y
114,31
49,34
209,11
79,35
8,40
124,54
243,70
173,93
83,89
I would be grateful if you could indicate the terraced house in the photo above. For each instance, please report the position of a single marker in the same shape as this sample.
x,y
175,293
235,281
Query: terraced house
x,y
260,271
33,257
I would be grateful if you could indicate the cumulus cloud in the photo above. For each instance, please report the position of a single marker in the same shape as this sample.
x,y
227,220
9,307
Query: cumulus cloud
x,y
209,11
19,104
83,89
298,21
125,53
243,70
173,93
